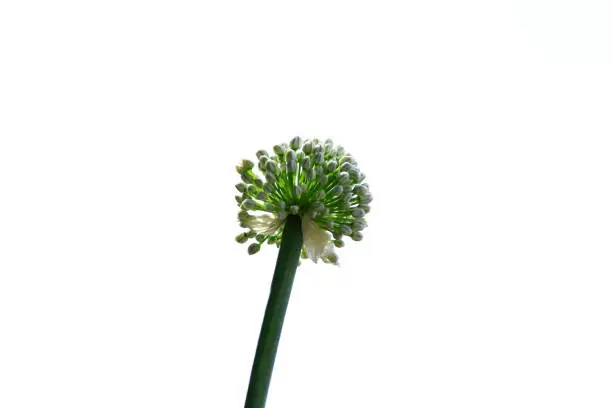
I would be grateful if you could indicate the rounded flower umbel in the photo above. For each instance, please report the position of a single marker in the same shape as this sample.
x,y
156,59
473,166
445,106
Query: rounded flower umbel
x,y
318,181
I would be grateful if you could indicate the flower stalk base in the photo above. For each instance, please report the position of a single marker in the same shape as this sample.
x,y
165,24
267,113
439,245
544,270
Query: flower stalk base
x,y
284,273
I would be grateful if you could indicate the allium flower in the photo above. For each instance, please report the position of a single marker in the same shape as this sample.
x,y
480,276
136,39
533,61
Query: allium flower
x,y
303,198
318,181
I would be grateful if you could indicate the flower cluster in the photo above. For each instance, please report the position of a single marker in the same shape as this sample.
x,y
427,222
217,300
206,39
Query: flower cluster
x,y
318,181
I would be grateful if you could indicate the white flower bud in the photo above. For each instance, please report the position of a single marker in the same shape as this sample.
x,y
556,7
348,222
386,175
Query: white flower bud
x,y
365,208
357,236
306,163
367,198
261,153
294,209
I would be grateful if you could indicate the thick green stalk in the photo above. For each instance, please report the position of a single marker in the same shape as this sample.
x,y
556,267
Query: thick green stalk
x,y
286,265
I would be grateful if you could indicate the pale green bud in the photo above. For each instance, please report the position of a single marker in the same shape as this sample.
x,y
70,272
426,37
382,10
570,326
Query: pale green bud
x,y
241,238
310,174
320,195
291,165
323,179
318,157
261,153
259,183
331,166
272,167
346,166
270,178
290,155
278,149
330,258
358,212
241,187
251,189
357,236
306,163
260,238
253,248
248,178
337,190
345,229
295,143
249,204
261,196
338,243
307,148
268,187
343,178
244,165
359,224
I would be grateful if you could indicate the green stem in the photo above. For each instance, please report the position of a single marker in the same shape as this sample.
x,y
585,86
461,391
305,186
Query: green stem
x,y
286,265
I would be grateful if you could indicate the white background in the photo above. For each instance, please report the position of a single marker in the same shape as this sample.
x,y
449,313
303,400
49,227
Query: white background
x,y
484,279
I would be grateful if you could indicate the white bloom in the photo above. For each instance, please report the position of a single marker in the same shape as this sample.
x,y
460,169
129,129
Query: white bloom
x,y
264,223
317,242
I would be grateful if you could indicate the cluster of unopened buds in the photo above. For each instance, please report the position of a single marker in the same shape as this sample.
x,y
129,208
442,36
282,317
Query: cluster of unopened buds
x,y
318,181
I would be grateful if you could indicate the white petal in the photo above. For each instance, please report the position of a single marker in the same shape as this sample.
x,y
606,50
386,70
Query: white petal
x,y
264,223
317,241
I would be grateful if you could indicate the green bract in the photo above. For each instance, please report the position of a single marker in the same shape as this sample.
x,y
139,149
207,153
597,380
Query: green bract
x,y
318,181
